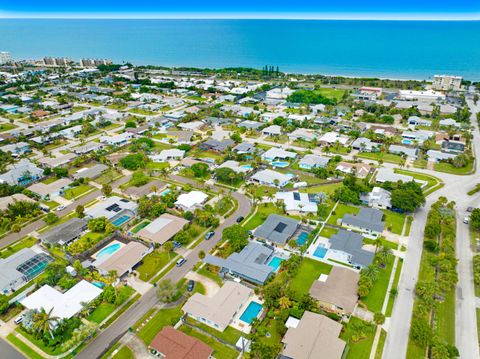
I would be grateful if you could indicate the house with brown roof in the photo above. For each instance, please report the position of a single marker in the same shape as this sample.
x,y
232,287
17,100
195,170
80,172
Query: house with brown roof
x,y
162,229
314,336
337,291
170,343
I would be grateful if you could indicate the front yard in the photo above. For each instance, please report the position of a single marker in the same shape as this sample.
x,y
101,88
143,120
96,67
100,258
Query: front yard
x,y
340,211
153,263
77,192
162,318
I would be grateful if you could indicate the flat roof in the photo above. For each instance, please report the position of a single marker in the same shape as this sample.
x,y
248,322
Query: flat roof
x,y
163,228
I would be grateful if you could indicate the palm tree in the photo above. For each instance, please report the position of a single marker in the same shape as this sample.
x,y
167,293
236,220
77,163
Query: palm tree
x,y
285,302
384,255
371,272
43,321
377,242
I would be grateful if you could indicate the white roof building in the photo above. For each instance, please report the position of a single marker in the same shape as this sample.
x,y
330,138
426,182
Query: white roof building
x,y
271,178
65,305
297,202
190,201
235,166
192,126
274,153
167,155
273,130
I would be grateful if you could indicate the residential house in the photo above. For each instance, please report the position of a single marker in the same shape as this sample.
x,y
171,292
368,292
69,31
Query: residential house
x,y
250,264
271,178
388,175
21,173
244,148
87,148
275,153
154,187
171,343
365,145
378,198
217,146
162,228
453,146
113,208
92,172
313,161
273,130
439,156
250,125
53,162
314,336
361,170
337,291
277,230
410,152
297,203
417,121
303,135
124,260
16,149
218,311
236,167
168,155
191,201
117,140
368,221
47,191
65,233
17,197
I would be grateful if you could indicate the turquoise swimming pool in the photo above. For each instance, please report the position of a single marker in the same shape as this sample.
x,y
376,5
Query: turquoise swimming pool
x,y
280,164
108,251
120,220
407,142
275,263
251,312
320,251
302,238
165,192
248,167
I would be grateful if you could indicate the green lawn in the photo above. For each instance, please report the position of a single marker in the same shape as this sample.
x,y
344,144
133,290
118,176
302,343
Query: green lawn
x,y
163,318
51,204
108,176
24,348
6,127
157,166
263,211
77,192
124,353
449,168
396,279
309,272
50,180
332,93
101,312
213,276
377,156
140,226
328,232
445,315
431,180
152,263
374,300
14,248
381,344
394,221
340,211
478,324
230,334
264,191
219,350
409,225
360,349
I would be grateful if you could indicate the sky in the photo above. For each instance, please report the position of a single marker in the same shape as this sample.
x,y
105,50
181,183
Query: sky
x,y
283,9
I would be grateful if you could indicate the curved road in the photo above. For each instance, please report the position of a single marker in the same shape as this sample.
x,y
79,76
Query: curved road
x,y
110,335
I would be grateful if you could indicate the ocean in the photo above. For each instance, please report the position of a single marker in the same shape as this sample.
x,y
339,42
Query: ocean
x,y
393,49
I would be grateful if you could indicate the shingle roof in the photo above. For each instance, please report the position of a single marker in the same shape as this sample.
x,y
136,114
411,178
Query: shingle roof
x,y
174,344
277,229
368,218
64,232
351,242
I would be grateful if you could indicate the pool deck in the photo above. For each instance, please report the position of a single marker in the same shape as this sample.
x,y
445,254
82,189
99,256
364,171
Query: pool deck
x,y
241,325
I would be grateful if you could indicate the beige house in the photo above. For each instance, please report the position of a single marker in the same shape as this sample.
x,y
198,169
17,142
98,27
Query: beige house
x,y
162,229
337,291
123,260
218,311
51,190
17,197
315,336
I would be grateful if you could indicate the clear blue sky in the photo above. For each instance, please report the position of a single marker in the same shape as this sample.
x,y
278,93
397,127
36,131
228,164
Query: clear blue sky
x,y
417,9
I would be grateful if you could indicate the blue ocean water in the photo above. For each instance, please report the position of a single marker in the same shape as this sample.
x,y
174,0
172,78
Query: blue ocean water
x,y
396,49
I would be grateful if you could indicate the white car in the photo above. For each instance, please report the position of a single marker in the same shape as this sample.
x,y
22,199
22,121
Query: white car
x,y
60,208
466,220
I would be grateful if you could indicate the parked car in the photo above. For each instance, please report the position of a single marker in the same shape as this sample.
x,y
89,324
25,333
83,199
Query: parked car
x,y
239,219
181,262
209,235
176,244
18,320
466,220
60,208
470,209
191,285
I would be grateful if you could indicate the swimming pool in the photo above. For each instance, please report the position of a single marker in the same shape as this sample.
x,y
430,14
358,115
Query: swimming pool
x,y
280,164
320,251
165,192
100,285
108,250
407,142
248,167
302,238
251,312
120,220
275,263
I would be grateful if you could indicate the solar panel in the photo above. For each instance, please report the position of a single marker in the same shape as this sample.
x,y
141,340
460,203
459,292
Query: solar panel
x,y
296,196
124,200
117,209
111,207
280,227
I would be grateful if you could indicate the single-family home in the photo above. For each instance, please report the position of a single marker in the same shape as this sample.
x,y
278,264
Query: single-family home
x,y
368,221
215,145
312,337
277,230
410,152
347,247
174,344
271,178
303,134
16,197
58,161
250,125
244,148
378,198
337,291
124,260
117,140
448,122
218,311
313,161
438,156
92,172
64,233
168,155
331,138
116,209
87,148
21,173
297,203
154,187
16,149
273,130
250,264
275,153
388,175
191,201
361,170
162,228
365,144
48,191
417,121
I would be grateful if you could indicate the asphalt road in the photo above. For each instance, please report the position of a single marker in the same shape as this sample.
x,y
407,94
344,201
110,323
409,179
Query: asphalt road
x,y
8,352
113,333
455,189
13,237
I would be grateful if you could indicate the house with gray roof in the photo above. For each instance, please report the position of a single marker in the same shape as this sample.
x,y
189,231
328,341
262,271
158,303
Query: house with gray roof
x,y
250,125
250,264
377,198
21,173
218,146
91,172
244,148
311,161
346,246
368,221
277,230
64,233
404,150
438,156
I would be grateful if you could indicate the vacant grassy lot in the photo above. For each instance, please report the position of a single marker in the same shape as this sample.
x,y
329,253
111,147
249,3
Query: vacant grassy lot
x,y
309,271
263,211
449,168
377,156
101,312
394,221
77,192
153,263
358,349
332,93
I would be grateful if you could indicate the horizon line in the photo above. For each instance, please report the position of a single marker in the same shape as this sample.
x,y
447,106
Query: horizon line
x,y
244,16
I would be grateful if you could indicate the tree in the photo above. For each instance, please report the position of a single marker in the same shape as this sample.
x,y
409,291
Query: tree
x,y
200,170
475,219
168,246
379,318
227,175
285,302
201,254
167,291
43,322
134,161
97,224
15,228
237,237
407,197
106,189
80,210
4,305
51,218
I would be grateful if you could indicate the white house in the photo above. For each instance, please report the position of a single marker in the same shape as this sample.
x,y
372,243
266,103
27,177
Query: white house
x,y
190,201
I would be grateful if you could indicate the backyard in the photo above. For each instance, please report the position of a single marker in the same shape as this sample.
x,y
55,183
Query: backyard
x,y
340,211
309,272
394,221
359,336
